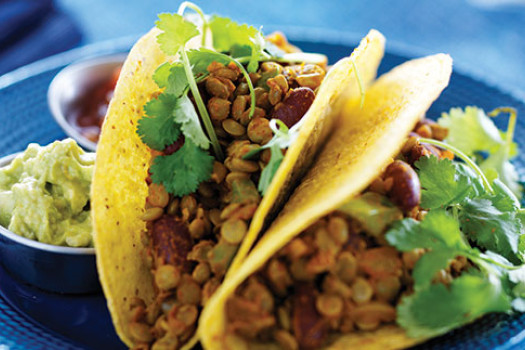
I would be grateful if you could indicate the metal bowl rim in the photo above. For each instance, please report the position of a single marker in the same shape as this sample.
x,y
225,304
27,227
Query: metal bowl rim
x,y
54,90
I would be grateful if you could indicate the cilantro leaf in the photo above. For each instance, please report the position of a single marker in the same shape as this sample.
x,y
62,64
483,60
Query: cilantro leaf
x,y
183,171
270,169
172,77
162,74
186,115
444,182
430,263
439,229
177,82
282,139
228,35
404,235
471,130
504,199
176,32
467,298
158,129
240,50
491,228
497,165
515,285
373,211
201,58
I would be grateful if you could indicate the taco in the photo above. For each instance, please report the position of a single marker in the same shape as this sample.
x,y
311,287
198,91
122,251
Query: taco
x,y
175,197
323,275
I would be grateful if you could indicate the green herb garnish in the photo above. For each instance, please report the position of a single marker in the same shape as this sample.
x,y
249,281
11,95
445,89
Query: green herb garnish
x,y
183,171
229,36
158,129
282,139
464,211
373,211
487,217
474,133
172,114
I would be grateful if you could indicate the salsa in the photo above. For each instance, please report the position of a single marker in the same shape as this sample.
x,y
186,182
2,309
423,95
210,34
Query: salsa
x,y
87,113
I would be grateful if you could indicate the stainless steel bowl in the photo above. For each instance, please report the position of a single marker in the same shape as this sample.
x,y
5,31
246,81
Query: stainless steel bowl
x,y
71,83
52,268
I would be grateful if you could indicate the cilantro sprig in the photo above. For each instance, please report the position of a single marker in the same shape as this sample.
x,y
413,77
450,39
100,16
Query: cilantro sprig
x,y
172,170
158,129
172,114
477,291
179,113
474,213
474,133
465,219
463,157
282,139
488,218
439,309
177,31
229,36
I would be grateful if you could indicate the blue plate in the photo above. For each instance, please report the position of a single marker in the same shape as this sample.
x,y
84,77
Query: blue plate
x,y
33,319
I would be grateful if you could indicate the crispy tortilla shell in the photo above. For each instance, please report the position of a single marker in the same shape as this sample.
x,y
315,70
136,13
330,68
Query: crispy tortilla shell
x,y
364,141
314,129
119,189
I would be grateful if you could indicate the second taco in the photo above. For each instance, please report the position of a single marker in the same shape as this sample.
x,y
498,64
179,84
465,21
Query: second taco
x,y
323,275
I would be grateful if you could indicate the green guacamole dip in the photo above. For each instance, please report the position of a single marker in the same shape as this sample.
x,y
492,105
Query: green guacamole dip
x,y
44,194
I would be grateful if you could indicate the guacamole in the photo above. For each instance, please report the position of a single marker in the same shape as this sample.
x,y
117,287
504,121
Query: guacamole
x,y
44,194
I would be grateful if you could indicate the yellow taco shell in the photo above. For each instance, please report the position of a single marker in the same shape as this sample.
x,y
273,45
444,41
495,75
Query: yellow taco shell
x,y
119,190
364,141
314,129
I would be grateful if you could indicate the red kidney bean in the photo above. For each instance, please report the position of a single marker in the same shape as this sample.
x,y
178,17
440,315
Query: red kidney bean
x,y
419,150
309,327
406,188
294,106
175,146
171,242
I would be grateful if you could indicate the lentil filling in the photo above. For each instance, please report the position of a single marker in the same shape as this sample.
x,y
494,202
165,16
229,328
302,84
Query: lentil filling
x,y
193,239
340,274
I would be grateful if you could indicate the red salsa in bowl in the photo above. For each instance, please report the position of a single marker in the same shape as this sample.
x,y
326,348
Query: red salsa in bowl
x,y
86,114
79,96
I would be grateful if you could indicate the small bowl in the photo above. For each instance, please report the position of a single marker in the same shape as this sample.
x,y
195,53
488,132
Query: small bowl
x,y
72,84
57,269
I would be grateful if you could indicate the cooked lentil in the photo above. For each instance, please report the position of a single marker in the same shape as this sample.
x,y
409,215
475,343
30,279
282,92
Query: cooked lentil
x,y
335,277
